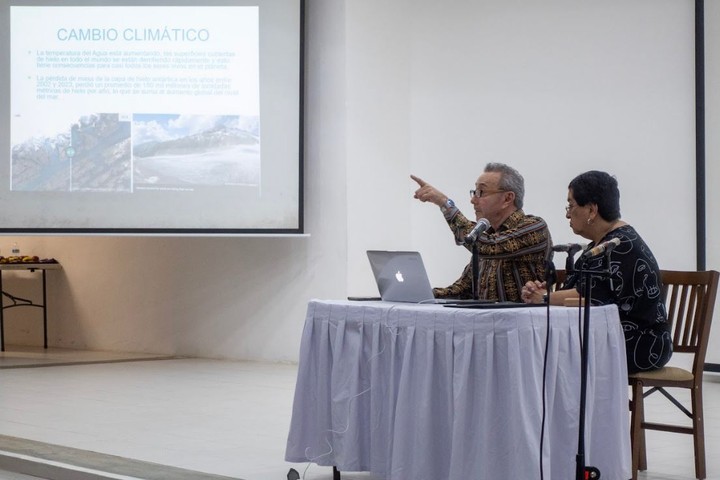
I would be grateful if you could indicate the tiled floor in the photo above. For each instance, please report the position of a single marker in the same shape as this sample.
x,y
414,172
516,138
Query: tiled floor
x,y
219,417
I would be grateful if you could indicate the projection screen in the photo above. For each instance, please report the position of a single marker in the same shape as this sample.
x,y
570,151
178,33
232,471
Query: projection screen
x,y
174,117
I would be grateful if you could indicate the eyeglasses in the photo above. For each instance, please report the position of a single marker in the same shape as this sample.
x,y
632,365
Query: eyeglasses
x,y
484,193
570,208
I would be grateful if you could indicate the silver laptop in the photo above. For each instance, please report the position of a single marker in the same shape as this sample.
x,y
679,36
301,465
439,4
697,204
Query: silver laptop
x,y
400,276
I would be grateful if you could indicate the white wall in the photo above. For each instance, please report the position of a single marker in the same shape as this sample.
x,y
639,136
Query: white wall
x,y
397,87
553,88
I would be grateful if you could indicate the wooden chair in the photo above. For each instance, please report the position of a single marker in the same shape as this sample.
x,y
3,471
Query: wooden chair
x,y
689,299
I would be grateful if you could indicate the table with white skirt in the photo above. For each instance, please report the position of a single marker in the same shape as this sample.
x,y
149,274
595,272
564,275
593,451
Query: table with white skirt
x,y
409,391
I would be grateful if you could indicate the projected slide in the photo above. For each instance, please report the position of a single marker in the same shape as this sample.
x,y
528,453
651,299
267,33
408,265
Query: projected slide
x,y
161,117
131,98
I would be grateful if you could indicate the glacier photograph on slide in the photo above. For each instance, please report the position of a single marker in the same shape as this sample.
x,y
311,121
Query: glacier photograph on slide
x,y
187,151
92,154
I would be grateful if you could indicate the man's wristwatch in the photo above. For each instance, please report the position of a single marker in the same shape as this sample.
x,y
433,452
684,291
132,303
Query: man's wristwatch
x,y
447,206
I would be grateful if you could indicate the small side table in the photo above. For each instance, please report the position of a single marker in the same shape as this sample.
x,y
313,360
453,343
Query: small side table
x,y
22,302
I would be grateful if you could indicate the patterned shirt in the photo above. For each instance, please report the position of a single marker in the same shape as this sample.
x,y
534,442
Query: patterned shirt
x,y
634,285
508,258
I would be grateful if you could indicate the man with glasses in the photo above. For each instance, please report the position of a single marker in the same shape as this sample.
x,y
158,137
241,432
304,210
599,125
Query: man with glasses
x,y
512,251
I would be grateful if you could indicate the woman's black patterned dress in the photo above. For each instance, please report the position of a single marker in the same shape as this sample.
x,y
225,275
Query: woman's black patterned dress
x,y
634,285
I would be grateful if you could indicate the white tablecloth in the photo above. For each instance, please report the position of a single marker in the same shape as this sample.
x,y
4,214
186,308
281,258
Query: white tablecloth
x,y
430,392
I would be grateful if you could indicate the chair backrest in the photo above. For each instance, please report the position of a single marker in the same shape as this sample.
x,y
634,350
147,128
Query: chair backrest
x,y
560,277
690,301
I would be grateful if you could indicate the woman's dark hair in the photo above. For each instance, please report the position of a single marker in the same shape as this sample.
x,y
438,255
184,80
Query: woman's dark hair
x,y
599,188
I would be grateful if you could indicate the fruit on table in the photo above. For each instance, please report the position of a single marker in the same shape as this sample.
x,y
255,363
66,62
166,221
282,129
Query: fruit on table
x,y
20,259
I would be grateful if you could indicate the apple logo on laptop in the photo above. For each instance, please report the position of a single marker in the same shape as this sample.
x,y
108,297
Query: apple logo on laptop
x,y
399,276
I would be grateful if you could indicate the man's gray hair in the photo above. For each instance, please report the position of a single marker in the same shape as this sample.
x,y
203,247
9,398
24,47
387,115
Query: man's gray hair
x,y
510,180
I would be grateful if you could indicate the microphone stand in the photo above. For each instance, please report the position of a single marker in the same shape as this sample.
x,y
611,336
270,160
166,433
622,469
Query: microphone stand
x,y
569,262
582,472
475,271
481,225
550,279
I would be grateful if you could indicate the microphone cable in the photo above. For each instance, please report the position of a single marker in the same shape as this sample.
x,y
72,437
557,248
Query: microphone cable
x,y
550,278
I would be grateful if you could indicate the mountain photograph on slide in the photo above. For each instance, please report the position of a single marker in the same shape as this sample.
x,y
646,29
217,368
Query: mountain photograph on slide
x,y
93,154
171,151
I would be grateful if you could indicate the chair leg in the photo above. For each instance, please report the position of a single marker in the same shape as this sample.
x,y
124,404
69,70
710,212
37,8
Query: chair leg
x,y
642,461
636,407
698,431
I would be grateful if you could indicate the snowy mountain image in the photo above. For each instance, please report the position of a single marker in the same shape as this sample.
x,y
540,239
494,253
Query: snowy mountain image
x,y
92,155
195,150
41,163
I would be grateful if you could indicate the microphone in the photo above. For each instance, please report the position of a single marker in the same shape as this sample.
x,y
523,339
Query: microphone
x,y
604,247
480,227
570,248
